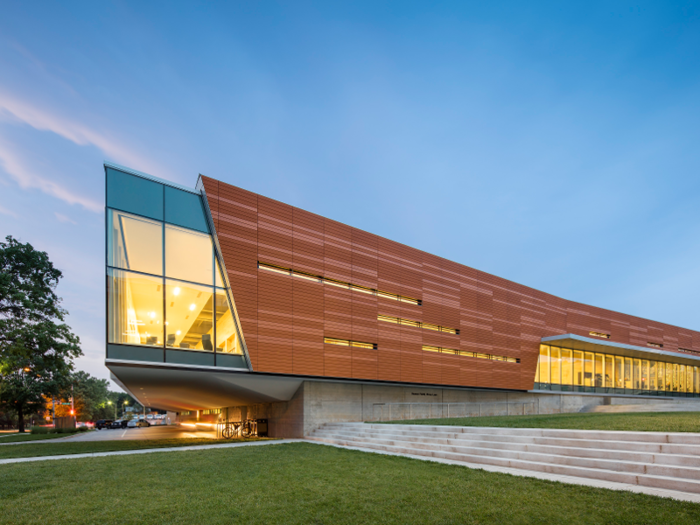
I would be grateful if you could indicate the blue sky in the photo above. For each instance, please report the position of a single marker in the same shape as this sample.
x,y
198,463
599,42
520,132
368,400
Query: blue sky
x,y
553,143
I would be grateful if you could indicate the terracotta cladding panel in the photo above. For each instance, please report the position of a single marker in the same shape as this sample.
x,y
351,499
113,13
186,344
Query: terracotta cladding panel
x,y
284,324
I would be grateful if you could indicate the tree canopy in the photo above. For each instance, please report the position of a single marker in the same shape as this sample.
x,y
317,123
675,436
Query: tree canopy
x,y
37,348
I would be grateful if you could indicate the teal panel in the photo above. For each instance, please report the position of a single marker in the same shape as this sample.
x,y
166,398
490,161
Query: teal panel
x,y
183,357
185,209
134,194
231,361
135,353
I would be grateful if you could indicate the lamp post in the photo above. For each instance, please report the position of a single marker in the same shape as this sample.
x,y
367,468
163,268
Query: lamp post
x,y
124,411
115,409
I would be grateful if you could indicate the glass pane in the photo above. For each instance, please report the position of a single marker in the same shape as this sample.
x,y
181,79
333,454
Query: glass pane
x,y
652,375
645,375
619,373
184,209
219,282
135,308
188,255
578,368
636,374
135,194
556,366
189,316
544,364
599,370
588,369
567,369
609,372
669,378
226,334
134,243
681,378
628,373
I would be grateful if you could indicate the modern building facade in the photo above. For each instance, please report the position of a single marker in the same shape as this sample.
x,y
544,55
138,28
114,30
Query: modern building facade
x,y
218,297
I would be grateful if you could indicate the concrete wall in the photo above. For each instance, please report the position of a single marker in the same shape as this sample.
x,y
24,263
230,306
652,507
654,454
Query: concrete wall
x,y
319,402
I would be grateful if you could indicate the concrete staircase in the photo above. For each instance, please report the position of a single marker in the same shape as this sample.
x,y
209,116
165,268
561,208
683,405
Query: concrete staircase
x,y
669,461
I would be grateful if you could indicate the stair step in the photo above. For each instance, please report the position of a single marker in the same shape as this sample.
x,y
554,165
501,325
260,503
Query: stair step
x,y
657,481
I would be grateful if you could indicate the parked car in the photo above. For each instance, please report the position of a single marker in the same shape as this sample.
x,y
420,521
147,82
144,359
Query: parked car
x,y
103,423
142,423
132,423
116,424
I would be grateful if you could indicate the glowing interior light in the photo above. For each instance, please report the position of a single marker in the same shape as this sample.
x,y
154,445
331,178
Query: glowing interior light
x,y
176,290
153,315
192,307
178,332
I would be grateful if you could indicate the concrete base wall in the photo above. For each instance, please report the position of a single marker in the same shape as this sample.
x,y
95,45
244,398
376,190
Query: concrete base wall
x,y
319,402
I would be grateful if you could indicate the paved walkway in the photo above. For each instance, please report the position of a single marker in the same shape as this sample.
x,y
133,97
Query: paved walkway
x,y
126,434
682,496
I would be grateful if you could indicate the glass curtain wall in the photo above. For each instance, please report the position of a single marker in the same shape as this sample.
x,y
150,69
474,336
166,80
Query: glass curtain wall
x,y
164,288
563,369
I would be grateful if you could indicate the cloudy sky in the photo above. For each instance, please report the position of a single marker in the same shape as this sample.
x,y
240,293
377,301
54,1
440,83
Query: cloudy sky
x,y
556,146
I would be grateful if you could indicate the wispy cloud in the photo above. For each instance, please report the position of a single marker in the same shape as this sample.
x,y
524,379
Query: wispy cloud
x,y
16,111
27,178
63,218
10,213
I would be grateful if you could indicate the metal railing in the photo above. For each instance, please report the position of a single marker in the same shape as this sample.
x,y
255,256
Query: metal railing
x,y
402,411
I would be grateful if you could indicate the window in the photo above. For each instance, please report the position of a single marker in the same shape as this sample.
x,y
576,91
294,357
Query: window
x,y
465,353
134,194
190,316
656,345
226,334
134,243
417,324
600,334
624,374
188,255
135,308
340,284
345,342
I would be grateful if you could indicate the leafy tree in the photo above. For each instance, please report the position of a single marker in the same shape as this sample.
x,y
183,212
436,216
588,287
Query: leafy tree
x,y
90,395
36,346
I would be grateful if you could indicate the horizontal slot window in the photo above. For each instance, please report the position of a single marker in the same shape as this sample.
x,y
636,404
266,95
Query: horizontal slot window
x,y
655,345
688,351
417,324
600,334
465,353
340,284
346,342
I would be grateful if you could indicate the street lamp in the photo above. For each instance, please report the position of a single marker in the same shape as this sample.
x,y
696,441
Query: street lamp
x,y
115,409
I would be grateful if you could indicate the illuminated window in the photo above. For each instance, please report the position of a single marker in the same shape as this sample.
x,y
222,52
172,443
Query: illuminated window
x,y
465,353
134,243
340,284
188,255
345,342
226,334
625,375
417,324
135,308
656,345
190,316
600,334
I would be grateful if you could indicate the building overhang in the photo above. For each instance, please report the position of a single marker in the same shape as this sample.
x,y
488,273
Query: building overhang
x,y
587,344
179,388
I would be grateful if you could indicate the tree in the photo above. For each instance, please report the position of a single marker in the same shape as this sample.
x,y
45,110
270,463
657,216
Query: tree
x,y
36,346
91,396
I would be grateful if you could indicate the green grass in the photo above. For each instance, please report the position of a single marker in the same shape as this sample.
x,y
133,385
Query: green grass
x,y
301,483
636,421
87,447
14,438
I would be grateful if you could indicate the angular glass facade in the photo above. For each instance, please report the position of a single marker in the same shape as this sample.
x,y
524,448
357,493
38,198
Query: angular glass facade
x,y
164,283
567,370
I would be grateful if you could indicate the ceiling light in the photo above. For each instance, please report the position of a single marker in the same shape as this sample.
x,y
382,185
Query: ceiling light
x,y
176,290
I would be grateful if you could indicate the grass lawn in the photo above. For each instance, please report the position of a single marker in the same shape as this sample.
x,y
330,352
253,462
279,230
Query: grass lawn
x,y
86,447
636,421
14,438
306,484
